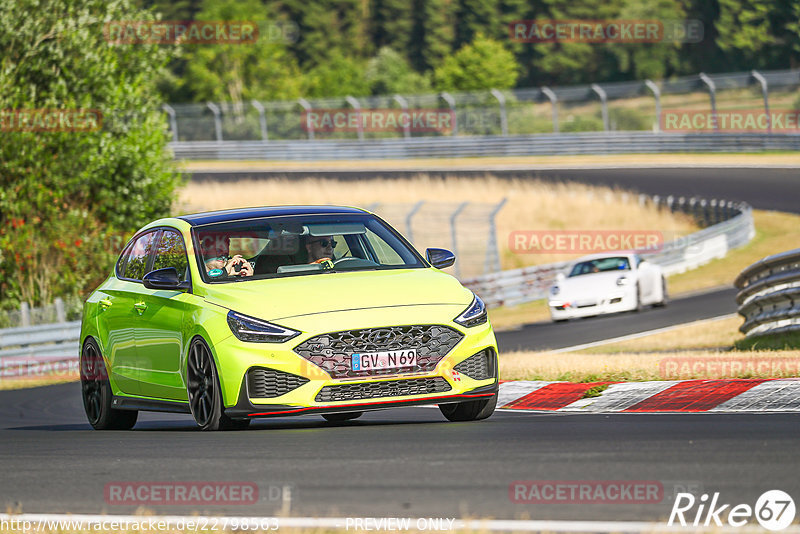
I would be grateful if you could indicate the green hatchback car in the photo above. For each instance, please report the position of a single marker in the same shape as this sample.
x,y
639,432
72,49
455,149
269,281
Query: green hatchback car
x,y
268,312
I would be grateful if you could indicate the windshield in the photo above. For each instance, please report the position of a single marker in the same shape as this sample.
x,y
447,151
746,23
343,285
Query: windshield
x,y
617,263
273,247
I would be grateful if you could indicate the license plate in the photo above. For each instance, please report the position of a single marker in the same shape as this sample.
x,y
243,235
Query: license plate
x,y
390,359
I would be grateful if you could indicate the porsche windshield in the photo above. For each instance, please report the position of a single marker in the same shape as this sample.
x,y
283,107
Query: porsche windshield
x,y
298,245
600,265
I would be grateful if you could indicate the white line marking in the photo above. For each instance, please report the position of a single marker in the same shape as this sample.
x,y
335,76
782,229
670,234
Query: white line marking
x,y
638,334
495,525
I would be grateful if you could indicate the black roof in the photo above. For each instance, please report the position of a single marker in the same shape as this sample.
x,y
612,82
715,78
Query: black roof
x,y
209,217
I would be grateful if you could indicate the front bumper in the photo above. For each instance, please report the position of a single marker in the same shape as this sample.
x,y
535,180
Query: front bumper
x,y
615,302
312,395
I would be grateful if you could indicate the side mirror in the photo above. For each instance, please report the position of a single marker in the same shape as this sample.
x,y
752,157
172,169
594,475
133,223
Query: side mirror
x,y
166,278
440,258
560,277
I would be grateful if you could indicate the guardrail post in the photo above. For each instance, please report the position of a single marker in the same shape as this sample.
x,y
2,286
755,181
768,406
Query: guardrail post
x,y
356,106
657,95
307,107
554,104
712,93
217,119
404,106
492,263
262,119
447,97
604,101
765,91
453,236
503,117
409,216
25,314
61,315
173,121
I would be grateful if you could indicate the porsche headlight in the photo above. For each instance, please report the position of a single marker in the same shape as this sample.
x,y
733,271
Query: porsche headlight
x,y
257,331
474,315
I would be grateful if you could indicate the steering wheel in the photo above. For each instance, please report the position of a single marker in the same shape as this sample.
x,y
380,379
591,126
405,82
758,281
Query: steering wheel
x,y
345,260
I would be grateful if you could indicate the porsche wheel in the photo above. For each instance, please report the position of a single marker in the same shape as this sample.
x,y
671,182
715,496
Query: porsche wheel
x,y
664,295
205,394
97,394
469,410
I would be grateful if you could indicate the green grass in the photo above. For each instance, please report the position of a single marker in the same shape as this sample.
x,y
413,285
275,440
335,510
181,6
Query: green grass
x,y
788,341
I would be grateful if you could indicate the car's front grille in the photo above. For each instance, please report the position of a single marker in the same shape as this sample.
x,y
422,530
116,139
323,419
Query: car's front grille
x,y
387,388
268,383
333,351
479,366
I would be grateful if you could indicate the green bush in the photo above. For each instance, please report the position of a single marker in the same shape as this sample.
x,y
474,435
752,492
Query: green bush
x,y
69,198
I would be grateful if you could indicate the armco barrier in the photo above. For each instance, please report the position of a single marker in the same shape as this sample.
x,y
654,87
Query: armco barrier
x,y
769,296
478,146
731,227
27,350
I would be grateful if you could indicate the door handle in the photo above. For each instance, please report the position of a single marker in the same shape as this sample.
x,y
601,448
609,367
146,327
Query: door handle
x,y
140,307
105,304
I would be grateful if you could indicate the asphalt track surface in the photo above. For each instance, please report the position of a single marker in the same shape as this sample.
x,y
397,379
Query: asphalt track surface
x,y
407,462
411,462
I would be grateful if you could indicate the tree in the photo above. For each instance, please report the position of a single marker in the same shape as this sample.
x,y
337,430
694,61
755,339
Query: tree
x,y
64,193
389,73
338,76
484,64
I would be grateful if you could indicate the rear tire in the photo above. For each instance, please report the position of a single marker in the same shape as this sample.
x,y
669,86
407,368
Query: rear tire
x,y
340,417
469,410
97,394
205,394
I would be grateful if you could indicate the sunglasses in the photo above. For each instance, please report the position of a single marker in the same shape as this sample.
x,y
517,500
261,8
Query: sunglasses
x,y
218,258
325,243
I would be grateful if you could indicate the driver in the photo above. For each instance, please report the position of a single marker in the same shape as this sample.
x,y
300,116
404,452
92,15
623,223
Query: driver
x,y
320,248
217,261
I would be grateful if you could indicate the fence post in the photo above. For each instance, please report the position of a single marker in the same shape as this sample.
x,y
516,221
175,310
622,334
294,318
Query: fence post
x,y
262,119
409,216
492,253
217,119
356,106
173,121
765,91
657,94
712,92
604,102
503,117
404,106
453,236
309,127
25,314
61,315
447,97
554,103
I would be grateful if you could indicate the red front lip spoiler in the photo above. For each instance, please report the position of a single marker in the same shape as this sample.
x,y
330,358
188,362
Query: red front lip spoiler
x,y
377,405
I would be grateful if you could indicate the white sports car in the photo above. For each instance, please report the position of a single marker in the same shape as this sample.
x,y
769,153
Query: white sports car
x,y
607,283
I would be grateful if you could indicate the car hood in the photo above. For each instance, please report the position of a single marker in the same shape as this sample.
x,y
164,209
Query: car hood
x,y
589,284
281,298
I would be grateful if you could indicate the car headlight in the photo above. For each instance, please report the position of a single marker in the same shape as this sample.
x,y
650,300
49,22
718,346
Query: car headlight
x,y
623,280
257,331
474,315
555,290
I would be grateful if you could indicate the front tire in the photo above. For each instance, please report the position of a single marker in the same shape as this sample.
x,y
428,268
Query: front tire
x,y
205,394
97,394
664,295
469,410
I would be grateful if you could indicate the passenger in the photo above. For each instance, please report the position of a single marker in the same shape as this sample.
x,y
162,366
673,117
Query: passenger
x,y
218,263
320,248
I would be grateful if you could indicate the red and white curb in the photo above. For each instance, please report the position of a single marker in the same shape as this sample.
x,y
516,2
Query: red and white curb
x,y
734,395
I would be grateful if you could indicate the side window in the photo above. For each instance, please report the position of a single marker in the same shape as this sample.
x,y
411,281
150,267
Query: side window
x,y
138,255
386,254
171,253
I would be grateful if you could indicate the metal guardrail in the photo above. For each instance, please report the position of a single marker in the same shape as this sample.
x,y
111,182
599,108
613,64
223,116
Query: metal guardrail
x,y
482,146
769,296
33,350
731,227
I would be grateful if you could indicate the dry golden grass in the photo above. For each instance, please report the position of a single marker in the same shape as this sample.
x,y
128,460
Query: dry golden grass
x,y
631,366
23,383
707,334
532,205
511,317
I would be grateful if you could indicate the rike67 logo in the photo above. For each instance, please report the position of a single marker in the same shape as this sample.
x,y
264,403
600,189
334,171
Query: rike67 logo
x,y
774,510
